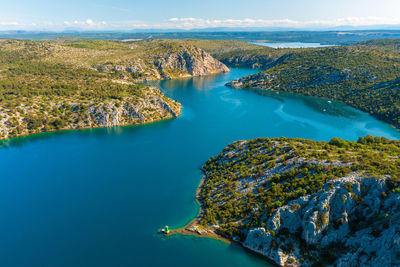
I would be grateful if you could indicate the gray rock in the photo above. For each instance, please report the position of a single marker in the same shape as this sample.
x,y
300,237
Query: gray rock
x,y
334,219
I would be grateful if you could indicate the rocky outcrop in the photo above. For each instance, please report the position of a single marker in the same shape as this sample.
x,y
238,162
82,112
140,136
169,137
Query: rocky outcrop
x,y
191,60
254,81
255,61
304,202
352,221
73,113
181,62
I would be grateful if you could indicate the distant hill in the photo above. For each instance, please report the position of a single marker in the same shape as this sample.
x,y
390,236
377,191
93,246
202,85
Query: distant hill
x,y
342,36
392,45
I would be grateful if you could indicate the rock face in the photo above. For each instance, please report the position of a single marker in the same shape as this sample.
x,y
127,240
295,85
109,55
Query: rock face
x,y
90,113
254,81
309,203
164,60
191,60
350,222
255,61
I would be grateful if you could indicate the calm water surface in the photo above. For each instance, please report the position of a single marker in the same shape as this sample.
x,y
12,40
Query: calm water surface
x,y
97,197
291,45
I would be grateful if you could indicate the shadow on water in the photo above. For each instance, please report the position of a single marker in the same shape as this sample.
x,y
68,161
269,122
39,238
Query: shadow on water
x,y
329,107
198,83
237,248
46,136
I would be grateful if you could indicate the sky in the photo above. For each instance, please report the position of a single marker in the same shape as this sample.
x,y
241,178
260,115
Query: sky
x,y
185,14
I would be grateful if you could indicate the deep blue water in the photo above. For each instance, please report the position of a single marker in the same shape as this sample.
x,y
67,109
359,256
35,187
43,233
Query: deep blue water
x,y
97,197
290,45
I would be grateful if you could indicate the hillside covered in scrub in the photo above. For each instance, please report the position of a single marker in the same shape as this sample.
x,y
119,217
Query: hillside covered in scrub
x,y
70,83
364,76
236,53
304,202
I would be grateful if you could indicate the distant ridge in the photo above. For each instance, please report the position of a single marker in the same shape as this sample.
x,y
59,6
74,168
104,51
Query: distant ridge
x,y
332,37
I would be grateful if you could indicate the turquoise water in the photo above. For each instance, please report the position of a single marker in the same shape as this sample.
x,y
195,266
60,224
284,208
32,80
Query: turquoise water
x,y
97,197
290,45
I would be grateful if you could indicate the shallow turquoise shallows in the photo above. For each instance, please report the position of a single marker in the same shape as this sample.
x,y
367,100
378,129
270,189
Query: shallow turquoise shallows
x,y
98,197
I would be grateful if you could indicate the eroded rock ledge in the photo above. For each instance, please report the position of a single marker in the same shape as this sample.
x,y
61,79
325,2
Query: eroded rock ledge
x,y
350,222
301,202
65,113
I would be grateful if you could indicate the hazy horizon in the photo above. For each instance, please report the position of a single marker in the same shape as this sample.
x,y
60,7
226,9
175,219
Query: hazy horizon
x,y
124,15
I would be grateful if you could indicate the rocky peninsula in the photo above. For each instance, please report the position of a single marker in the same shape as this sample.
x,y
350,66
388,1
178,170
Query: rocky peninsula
x,y
302,202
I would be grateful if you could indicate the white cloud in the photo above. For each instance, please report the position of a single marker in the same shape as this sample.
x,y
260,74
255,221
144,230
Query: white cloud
x,y
88,23
248,22
199,23
9,23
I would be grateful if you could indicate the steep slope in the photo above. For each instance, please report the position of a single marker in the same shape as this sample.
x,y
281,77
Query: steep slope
x,y
139,60
241,54
37,114
70,83
302,202
351,221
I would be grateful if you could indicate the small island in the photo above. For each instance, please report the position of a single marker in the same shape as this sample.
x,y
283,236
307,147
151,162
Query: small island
x,y
303,202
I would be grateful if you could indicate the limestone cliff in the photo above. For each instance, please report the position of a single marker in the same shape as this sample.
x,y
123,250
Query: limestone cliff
x,y
302,202
190,60
255,61
63,113
350,222
138,60
181,62
71,83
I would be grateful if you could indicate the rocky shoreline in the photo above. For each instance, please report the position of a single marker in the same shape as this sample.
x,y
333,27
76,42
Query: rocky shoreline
x,y
194,228
152,106
67,84
351,220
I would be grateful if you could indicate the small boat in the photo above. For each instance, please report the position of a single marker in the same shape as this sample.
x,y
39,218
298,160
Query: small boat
x,y
165,230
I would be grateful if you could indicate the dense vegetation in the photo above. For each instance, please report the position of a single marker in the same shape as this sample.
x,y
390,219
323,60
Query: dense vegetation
x,y
239,53
365,76
249,180
391,45
218,47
